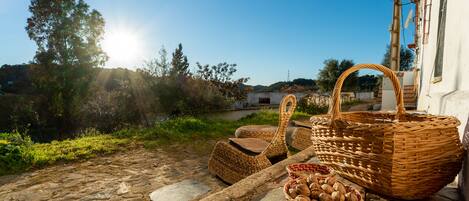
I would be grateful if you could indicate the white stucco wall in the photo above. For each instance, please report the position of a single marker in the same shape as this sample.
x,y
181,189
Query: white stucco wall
x,y
275,97
388,100
450,96
365,95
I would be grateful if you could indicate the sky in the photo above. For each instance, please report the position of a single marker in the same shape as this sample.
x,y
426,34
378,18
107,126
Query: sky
x,y
265,38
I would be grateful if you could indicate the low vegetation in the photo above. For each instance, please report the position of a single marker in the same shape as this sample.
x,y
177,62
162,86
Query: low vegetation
x,y
18,153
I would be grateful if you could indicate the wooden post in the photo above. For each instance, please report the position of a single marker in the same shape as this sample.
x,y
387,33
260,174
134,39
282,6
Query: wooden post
x,y
395,36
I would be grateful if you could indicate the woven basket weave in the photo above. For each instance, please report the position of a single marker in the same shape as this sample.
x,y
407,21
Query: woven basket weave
x,y
301,138
297,170
265,132
232,164
402,155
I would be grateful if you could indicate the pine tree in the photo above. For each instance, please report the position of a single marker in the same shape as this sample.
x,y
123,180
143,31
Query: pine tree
x,y
179,63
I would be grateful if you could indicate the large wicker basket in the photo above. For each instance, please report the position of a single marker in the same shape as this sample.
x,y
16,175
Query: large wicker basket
x,y
402,155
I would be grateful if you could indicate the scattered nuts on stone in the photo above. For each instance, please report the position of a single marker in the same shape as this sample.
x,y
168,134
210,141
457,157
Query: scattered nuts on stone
x,y
325,197
315,194
328,189
302,198
351,197
301,180
339,187
312,179
315,186
292,192
342,197
302,189
330,180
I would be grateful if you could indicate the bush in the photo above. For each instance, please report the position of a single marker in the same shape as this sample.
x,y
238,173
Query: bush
x,y
312,109
187,96
18,113
113,107
14,153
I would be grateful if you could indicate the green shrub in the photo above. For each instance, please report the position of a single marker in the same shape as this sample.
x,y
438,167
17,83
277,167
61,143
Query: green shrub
x,y
14,153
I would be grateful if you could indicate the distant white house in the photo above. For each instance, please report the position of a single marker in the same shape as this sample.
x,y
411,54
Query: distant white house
x,y
369,95
443,60
268,98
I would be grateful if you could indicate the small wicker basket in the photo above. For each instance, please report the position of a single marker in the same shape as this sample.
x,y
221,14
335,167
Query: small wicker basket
x,y
296,170
402,155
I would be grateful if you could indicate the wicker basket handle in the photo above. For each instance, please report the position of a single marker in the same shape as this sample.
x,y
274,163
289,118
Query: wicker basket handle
x,y
335,103
287,107
286,110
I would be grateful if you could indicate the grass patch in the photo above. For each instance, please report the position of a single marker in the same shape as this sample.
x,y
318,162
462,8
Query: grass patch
x,y
17,157
80,148
18,154
188,129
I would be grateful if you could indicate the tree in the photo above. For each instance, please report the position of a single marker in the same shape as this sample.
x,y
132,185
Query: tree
x,y
367,82
67,34
158,67
179,63
406,58
304,82
220,76
331,71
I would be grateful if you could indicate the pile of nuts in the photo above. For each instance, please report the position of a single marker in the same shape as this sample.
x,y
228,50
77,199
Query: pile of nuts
x,y
314,187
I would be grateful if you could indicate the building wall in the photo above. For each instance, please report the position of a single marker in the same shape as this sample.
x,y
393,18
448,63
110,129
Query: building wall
x,y
388,100
450,96
275,97
364,95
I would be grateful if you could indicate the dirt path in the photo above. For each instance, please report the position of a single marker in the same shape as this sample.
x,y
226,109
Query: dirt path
x,y
130,175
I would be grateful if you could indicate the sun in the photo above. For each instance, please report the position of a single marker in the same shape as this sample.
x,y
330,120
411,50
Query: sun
x,y
122,46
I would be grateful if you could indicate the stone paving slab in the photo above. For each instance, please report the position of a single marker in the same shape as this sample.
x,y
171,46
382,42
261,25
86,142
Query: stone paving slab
x,y
182,191
274,195
130,175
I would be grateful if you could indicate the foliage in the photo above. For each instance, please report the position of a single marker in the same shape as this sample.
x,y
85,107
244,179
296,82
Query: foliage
x,y
220,76
18,153
331,71
14,155
15,79
179,64
178,92
67,34
188,128
80,148
111,110
368,82
187,96
18,113
405,61
312,109
158,67
307,84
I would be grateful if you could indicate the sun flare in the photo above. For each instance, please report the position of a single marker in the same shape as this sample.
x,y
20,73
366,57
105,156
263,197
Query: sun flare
x,y
122,46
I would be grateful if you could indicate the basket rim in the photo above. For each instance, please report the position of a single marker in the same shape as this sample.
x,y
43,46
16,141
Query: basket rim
x,y
290,170
450,121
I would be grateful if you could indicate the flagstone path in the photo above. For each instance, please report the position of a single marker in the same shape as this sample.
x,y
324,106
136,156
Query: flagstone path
x,y
130,175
